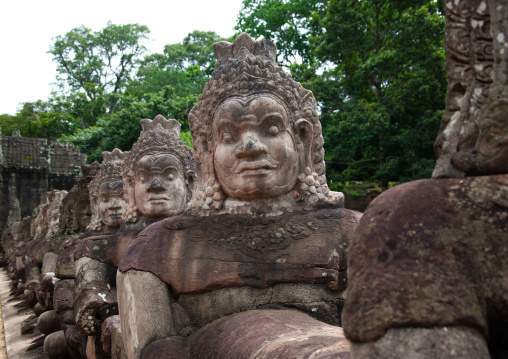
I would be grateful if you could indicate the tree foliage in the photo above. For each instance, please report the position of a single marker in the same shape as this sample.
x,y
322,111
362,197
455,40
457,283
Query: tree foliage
x,y
38,119
98,63
285,22
376,68
168,84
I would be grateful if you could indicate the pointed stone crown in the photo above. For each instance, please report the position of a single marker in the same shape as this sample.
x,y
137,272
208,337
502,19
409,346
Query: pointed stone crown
x,y
159,136
111,170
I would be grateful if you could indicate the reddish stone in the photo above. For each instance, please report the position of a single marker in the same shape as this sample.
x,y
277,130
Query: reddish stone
x,y
199,254
106,249
431,253
265,334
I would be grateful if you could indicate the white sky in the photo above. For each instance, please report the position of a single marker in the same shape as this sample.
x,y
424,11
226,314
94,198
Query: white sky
x,y
26,29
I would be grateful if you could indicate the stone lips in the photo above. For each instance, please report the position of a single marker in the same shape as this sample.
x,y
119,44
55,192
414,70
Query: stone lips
x,y
431,253
199,254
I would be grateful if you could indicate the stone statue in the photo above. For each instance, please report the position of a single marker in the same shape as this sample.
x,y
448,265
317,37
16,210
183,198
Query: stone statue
x,y
262,231
159,173
54,213
257,136
93,289
47,221
158,178
429,261
106,192
40,226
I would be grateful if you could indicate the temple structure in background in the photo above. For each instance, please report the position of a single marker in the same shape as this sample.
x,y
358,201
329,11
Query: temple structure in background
x,y
29,167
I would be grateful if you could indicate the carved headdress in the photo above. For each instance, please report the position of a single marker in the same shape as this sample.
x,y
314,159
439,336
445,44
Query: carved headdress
x,y
159,136
245,68
111,171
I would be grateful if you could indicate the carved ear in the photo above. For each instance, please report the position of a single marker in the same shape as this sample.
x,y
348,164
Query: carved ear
x,y
305,133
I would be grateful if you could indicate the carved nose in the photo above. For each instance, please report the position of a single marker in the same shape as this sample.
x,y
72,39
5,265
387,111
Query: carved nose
x,y
115,205
250,146
156,185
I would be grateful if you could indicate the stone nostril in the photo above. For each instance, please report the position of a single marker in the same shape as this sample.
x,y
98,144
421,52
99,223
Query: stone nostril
x,y
250,146
155,185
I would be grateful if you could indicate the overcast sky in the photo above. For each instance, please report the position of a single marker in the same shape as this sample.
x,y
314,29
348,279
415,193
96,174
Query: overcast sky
x,y
26,29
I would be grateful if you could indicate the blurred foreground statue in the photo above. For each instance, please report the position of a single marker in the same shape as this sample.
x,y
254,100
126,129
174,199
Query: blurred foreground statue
x,y
429,262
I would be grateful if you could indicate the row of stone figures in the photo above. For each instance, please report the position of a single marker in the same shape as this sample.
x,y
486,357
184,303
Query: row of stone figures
x,y
160,251
238,249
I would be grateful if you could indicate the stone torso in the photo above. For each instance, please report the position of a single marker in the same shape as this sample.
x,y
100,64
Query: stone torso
x,y
200,254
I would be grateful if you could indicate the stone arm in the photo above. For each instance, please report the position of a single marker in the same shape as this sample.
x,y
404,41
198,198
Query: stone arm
x,y
95,296
145,310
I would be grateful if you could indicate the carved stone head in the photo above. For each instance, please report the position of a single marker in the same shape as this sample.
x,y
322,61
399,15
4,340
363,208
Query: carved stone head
x,y
37,221
256,132
159,173
53,213
106,191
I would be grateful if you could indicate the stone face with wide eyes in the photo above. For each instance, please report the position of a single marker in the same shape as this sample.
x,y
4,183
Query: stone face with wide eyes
x,y
111,203
159,188
255,154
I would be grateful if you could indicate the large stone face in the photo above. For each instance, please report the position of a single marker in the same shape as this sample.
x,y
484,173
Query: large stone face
x,y
106,192
257,139
159,172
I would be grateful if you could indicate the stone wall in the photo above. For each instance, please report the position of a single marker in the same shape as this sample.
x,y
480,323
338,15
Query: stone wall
x,y
29,167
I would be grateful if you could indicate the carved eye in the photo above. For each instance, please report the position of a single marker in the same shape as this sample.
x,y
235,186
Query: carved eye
x,y
171,177
104,199
142,179
227,137
274,130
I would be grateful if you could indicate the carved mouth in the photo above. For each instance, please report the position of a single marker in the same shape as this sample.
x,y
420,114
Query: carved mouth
x,y
255,168
158,199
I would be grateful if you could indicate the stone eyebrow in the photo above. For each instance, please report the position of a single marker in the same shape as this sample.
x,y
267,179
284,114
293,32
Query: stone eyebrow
x,y
276,114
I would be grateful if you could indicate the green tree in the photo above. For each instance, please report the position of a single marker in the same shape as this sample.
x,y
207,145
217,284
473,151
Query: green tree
x,y
376,68
285,22
98,64
389,64
38,119
168,84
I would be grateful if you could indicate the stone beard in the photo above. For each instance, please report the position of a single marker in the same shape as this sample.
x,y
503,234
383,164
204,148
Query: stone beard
x,y
160,189
111,203
255,154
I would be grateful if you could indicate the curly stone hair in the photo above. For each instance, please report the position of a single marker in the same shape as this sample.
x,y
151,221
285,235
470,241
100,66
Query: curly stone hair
x,y
245,68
